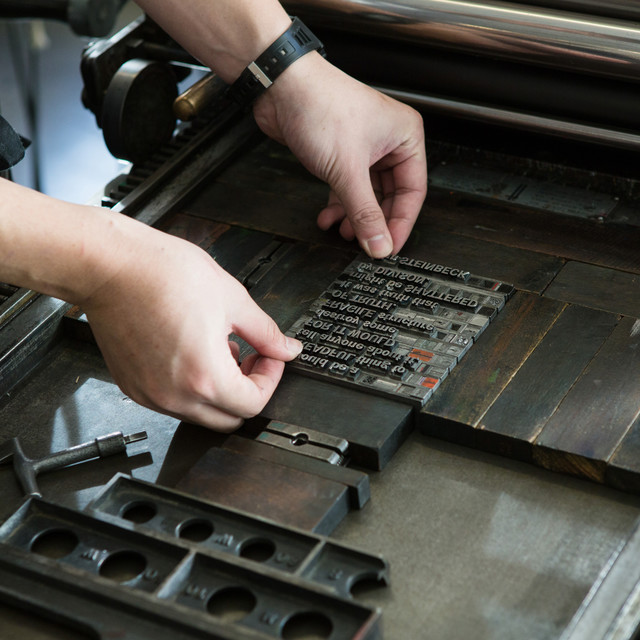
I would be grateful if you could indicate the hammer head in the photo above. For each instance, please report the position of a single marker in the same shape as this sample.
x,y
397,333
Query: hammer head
x,y
23,466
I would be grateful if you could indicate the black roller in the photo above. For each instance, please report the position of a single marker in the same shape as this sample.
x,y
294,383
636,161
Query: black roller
x,y
137,113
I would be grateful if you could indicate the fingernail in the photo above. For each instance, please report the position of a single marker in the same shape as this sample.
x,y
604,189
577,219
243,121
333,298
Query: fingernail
x,y
293,346
379,246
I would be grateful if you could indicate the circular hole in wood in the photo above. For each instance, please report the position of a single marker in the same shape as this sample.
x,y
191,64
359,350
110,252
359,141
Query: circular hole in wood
x,y
309,625
139,511
231,604
258,549
55,543
196,530
123,566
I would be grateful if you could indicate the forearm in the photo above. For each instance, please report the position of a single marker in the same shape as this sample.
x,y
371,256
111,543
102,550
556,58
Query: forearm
x,y
54,247
226,35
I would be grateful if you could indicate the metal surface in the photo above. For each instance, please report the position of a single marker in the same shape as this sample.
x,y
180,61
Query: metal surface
x,y
306,442
259,266
611,610
357,482
499,30
198,590
15,303
478,545
518,120
504,186
625,9
27,469
196,98
93,18
230,533
190,169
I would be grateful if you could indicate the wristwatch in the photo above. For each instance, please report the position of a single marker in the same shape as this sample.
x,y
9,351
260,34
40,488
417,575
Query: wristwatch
x,y
294,43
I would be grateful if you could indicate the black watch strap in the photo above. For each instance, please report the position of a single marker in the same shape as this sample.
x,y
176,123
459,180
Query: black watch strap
x,y
294,43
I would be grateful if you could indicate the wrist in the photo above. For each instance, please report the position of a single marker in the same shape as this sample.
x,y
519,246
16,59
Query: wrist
x,y
294,44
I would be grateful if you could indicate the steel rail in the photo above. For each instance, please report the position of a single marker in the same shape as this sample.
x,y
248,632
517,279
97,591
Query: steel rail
x,y
500,30
581,132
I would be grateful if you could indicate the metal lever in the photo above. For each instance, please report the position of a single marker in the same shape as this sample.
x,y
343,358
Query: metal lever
x,y
27,469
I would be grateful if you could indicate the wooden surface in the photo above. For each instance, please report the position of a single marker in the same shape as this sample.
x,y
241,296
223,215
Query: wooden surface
x,y
552,381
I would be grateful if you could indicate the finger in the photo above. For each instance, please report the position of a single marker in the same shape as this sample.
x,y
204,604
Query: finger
x,y
334,212
254,326
346,230
247,389
210,417
365,215
404,190
235,350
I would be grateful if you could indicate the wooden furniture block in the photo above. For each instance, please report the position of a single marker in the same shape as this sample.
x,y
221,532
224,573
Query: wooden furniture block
x,y
356,481
374,427
623,469
473,386
526,270
598,288
614,246
597,413
196,230
529,400
274,491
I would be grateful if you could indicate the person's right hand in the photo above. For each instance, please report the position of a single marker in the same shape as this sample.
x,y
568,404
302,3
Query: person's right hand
x,y
369,149
162,322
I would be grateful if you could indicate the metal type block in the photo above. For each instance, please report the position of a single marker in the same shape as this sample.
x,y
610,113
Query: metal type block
x,y
190,592
289,496
431,312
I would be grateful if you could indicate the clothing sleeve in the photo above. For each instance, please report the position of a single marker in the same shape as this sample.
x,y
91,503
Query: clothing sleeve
x,y
12,145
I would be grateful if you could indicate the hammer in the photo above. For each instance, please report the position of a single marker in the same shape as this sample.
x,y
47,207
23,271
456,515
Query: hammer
x,y
27,469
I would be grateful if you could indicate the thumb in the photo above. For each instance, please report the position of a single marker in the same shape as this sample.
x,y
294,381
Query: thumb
x,y
365,215
256,328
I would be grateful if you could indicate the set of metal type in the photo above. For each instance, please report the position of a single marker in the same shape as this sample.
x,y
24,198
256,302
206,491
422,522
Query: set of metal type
x,y
396,327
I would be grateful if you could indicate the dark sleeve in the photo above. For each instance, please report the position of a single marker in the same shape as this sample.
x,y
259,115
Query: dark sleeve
x,y
12,145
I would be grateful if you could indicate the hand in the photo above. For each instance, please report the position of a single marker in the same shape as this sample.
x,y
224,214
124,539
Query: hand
x,y
163,321
368,147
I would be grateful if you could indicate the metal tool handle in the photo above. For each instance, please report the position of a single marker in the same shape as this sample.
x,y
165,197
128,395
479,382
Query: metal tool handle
x,y
99,448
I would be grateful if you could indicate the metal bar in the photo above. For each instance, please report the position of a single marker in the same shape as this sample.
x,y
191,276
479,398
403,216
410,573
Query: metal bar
x,y
610,610
519,120
623,9
20,299
517,32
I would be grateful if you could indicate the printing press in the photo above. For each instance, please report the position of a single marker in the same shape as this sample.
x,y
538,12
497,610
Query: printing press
x,y
472,471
